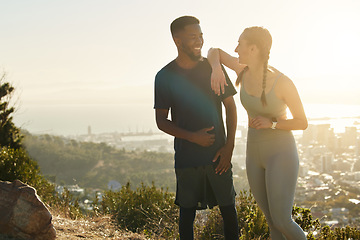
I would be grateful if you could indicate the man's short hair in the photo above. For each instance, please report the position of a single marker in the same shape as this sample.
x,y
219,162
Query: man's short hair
x,y
180,23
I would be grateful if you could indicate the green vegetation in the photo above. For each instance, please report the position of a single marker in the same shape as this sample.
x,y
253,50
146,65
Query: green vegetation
x,y
147,210
14,160
141,208
9,134
94,165
152,211
15,163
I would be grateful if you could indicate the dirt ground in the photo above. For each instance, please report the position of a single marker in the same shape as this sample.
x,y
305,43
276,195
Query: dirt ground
x,y
93,228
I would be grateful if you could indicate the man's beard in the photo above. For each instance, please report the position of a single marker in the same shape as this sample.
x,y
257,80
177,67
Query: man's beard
x,y
191,55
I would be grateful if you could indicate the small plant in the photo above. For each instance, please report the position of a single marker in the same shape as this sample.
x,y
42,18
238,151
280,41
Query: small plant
x,y
304,219
252,223
145,210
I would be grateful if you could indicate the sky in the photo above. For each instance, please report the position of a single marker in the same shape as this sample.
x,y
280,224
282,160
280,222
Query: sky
x,y
85,63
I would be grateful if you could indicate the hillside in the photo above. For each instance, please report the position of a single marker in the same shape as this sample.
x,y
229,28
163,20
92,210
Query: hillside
x,y
93,165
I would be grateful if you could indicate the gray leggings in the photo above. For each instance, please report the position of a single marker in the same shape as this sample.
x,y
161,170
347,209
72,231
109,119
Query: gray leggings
x,y
272,165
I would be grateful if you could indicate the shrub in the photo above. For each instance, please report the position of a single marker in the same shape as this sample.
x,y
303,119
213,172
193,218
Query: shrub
x,y
252,223
145,210
9,134
16,164
303,217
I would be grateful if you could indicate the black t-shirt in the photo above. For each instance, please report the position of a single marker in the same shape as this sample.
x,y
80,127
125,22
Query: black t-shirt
x,y
194,106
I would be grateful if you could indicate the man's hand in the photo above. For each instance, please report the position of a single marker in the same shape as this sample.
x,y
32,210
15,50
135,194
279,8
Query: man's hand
x,y
225,154
218,81
203,138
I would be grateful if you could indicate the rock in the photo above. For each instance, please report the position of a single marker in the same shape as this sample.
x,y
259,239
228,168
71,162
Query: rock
x,y
22,214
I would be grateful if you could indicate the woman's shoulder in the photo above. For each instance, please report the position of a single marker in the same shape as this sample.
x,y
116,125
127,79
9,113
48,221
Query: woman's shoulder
x,y
279,76
284,84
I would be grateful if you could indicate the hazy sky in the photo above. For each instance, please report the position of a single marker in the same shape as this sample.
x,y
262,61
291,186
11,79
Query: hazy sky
x,y
89,62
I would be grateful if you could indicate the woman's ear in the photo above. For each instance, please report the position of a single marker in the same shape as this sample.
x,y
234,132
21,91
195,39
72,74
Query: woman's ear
x,y
253,48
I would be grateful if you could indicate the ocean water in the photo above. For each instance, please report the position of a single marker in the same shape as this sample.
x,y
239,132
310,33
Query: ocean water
x,y
75,119
337,115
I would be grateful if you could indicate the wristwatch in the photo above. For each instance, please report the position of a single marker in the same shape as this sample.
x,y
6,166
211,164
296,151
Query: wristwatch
x,y
274,122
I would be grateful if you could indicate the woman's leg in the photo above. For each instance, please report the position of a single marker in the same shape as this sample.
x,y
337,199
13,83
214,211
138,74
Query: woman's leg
x,y
256,177
281,177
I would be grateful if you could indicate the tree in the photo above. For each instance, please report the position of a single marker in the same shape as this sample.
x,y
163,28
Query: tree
x,y
9,134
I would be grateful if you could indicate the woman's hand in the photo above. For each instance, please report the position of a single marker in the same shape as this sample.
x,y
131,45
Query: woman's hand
x,y
260,122
218,81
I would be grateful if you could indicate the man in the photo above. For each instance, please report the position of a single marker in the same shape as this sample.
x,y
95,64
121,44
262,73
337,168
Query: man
x,y
202,150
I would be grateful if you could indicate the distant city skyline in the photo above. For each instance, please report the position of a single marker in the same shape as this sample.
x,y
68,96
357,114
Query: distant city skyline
x,y
71,61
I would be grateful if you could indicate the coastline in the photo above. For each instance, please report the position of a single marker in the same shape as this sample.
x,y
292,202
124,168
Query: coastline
x,y
123,118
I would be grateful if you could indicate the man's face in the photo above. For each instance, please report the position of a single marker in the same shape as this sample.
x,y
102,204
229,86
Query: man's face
x,y
191,41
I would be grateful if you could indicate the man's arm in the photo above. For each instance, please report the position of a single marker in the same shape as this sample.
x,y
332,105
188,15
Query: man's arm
x,y
225,153
201,137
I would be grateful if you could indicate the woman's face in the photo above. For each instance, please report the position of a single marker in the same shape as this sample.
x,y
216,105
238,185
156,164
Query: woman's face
x,y
243,50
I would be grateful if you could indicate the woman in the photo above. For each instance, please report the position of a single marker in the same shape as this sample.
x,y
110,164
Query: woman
x,y
271,157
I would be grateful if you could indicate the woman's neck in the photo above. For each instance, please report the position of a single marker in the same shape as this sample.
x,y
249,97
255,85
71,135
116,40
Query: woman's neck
x,y
256,72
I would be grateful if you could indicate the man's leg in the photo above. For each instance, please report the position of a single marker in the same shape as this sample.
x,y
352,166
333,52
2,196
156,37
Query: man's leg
x,y
231,226
186,223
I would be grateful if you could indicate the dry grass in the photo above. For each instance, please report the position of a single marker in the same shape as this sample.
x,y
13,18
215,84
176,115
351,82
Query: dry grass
x,y
102,227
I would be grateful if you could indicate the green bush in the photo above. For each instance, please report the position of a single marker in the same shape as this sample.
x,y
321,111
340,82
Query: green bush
x,y
253,225
339,233
9,134
304,219
68,205
16,164
145,210
252,222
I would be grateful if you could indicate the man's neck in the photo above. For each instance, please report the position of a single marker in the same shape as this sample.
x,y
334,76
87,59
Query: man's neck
x,y
185,62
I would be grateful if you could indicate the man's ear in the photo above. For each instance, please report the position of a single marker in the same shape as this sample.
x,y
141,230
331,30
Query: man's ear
x,y
177,41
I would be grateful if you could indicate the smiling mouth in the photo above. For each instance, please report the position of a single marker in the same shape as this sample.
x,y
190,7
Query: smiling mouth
x,y
197,50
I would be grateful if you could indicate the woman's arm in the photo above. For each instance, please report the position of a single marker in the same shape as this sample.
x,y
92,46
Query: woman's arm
x,y
290,95
216,57
287,92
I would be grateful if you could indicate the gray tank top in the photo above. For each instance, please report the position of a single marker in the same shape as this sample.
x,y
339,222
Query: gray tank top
x,y
275,107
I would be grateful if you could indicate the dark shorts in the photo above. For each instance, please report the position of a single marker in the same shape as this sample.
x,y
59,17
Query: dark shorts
x,y
201,187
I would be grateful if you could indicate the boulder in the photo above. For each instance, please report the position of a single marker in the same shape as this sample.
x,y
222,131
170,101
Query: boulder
x,y
22,214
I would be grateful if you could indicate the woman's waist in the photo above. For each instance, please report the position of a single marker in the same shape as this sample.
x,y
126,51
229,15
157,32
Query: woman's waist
x,y
257,135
